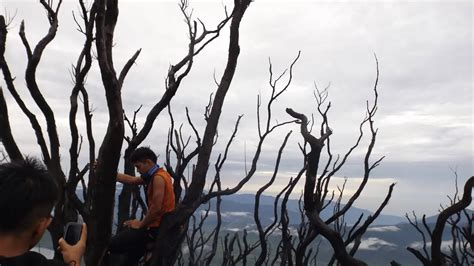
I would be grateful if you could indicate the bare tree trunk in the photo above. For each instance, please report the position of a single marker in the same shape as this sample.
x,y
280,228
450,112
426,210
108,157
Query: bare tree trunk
x,y
437,257
101,188
6,136
310,201
125,197
176,74
51,157
174,226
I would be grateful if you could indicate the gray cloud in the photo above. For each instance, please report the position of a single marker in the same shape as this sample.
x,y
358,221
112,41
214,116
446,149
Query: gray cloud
x,y
392,228
373,243
425,56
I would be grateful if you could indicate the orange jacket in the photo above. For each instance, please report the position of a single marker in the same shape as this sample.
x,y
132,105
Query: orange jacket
x,y
168,197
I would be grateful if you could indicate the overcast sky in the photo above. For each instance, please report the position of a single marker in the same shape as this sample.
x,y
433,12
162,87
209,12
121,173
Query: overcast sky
x,y
425,112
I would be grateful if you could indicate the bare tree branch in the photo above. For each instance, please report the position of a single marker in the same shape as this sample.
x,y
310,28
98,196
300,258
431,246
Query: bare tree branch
x,y
6,136
437,258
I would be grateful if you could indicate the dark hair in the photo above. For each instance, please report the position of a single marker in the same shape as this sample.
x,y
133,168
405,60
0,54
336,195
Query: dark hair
x,y
27,193
141,154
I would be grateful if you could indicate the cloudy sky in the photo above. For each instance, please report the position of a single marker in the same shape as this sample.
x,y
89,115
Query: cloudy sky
x,y
425,112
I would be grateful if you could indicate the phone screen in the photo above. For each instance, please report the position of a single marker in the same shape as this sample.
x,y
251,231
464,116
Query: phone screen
x,y
73,233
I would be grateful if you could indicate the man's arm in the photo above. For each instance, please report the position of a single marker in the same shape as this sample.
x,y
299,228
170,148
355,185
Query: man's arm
x,y
72,255
128,179
124,178
155,210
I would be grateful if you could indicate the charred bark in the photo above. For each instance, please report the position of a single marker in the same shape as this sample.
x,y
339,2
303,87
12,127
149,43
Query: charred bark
x,y
437,257
176,74
6,136
101,188
51,158
174,226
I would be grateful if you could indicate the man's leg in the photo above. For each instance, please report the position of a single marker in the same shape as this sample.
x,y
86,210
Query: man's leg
x,y
130,242
150,244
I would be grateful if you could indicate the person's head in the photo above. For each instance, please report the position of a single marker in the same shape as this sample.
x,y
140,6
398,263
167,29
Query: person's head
x,y
27,196
143,159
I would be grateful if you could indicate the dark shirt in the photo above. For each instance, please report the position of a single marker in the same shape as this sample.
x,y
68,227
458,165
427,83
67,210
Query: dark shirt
x,y
29,258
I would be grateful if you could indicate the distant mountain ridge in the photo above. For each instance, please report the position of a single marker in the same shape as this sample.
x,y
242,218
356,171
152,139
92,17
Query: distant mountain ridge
x,y
384,241
246,203
241,204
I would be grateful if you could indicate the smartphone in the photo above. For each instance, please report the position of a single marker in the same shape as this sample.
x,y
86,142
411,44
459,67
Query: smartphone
x,y
73,233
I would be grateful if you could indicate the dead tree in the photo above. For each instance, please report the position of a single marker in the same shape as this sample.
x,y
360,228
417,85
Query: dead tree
x,y
264,233
79,73
174,226
316,188
101,189
98,206
199,38
50,154
462,235
437,257
237,250
6,137
267,128
128,207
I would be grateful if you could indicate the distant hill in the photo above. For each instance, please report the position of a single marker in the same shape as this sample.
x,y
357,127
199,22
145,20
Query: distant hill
x,y
385,240
463,218
240,204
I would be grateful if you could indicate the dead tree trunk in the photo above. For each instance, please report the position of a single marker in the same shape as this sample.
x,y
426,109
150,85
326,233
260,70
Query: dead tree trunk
x,y
437,258
101,190
198,40
316,188
174,226
6,136
310,205
51,157
462,237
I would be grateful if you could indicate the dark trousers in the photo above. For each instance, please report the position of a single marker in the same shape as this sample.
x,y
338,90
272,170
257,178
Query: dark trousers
x,y
131,243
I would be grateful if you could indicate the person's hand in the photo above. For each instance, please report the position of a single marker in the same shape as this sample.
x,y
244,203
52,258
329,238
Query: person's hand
x,y
135,224
72,254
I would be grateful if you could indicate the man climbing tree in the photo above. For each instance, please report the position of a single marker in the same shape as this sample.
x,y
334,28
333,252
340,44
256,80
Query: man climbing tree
x,y
159,198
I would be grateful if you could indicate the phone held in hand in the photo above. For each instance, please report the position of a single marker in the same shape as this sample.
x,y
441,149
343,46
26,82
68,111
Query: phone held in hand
x,y
73,233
